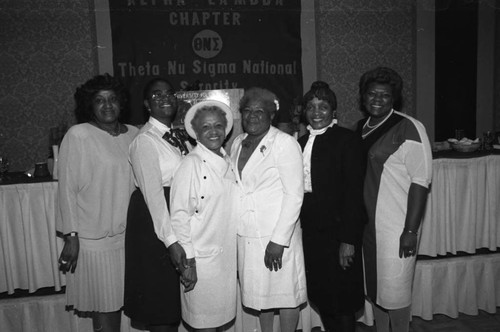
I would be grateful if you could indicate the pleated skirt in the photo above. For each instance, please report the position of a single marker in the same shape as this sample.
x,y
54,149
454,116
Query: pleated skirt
x,y
97,283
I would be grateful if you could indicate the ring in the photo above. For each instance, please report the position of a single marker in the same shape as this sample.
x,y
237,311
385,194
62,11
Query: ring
x,y
63,261
410,251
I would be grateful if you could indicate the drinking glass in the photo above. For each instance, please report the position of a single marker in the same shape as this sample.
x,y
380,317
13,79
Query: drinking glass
x,y
459,134
488,140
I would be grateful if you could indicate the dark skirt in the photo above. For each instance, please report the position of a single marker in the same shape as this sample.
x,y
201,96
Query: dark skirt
x,y
332,290
152,291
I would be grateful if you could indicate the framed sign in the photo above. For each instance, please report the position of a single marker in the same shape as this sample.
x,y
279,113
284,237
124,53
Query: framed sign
x,y
208,45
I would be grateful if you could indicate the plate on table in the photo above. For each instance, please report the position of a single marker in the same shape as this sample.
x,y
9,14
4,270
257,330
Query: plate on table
x,y
465,144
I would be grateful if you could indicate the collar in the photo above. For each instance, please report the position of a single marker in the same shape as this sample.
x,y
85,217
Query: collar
x,y
315,132
160,126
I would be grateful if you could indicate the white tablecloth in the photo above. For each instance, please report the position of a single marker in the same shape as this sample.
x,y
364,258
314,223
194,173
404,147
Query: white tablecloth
x,y
28,244
459,284
462,214
463,209
443,286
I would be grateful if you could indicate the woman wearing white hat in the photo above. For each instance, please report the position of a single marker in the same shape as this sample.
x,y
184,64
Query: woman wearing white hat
x,y
203,219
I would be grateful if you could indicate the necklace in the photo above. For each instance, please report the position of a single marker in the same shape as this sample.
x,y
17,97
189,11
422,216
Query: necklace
x,y
113,132
372,128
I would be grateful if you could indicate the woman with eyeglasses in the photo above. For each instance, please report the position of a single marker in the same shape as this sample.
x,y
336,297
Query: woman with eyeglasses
x,y
153,255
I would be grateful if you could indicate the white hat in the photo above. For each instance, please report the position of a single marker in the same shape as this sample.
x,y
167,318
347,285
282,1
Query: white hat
x,y
192,111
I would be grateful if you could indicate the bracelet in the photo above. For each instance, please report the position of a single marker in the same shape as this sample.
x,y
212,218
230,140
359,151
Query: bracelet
x,y
71,234
411,232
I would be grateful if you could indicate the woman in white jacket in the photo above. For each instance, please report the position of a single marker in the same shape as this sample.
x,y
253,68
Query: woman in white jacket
x,y
270,258
203,219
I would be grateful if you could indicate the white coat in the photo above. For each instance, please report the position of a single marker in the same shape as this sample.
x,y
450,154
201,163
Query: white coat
x,y
272,189
204,222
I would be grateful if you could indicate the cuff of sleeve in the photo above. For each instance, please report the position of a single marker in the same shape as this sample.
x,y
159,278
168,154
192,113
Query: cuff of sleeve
x,y
189,251
67,229
280,240
170,240
422,182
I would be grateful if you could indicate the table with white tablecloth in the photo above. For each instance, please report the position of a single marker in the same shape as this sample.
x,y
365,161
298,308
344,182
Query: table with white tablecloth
x,y
463,208
462,215
29,249
28,244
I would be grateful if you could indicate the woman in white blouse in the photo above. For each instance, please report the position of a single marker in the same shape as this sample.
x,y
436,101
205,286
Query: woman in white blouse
x,y
203,217
152,253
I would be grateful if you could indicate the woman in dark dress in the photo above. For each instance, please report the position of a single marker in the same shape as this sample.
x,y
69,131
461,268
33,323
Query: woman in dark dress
x,y
332,214
152,290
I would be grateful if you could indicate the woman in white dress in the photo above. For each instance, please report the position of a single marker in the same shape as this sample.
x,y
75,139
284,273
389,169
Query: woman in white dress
x,y
203,219
270,257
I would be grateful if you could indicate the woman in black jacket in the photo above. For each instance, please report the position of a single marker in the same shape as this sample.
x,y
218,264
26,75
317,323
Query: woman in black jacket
x,y
333,213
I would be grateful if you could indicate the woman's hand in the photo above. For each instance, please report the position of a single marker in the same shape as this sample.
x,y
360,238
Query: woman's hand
x,y
69,254
178,256
346,255
407,244
189,276
273,255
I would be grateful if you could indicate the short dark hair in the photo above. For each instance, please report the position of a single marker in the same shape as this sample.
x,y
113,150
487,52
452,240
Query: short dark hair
x,y
382,75
147,88
322,91
85,94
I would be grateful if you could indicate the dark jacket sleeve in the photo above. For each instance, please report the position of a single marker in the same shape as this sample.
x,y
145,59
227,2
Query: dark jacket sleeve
x,y
352,208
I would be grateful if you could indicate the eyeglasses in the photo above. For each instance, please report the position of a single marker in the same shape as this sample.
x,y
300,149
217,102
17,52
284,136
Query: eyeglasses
x,y
158,95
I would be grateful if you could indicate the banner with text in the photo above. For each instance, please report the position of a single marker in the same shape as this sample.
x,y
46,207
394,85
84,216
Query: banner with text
x,y
208,44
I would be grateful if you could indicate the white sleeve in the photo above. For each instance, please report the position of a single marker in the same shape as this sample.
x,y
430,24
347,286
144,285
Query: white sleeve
x,y
290,168
183,201
72,177
144,157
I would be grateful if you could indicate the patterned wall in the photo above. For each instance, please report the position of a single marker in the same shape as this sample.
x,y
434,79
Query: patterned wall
x,y
355,36
46,51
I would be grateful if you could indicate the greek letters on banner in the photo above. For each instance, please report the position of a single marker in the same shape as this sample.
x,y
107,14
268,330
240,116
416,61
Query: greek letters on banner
x,y
208,45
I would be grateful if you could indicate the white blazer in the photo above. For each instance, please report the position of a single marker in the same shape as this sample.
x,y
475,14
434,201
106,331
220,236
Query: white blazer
x,y
271,186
